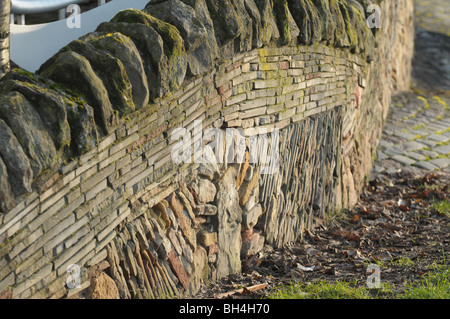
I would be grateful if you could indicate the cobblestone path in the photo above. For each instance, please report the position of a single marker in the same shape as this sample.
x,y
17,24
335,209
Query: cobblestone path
x,y
416,135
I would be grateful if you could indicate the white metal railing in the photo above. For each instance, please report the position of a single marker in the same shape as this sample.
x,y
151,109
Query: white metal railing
x,y
31,45
24,7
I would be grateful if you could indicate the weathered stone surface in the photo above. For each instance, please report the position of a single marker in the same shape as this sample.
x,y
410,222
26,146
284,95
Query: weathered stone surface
x,y
183,222
243,171
307,20
83,129
151,48
178,268
209,167
206,191
201,47
116,271
103,287
125,50
111,71
244,40
250,218
202,13
247,187
229,217
257,25
74,71
187,205
206,238
29,130
173,42
269,26
20,174
286,24
312,175
252,242
50,106
7,201
200,269
227,23
206,210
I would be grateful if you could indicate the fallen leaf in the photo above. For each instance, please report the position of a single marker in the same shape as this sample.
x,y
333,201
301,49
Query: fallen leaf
x,y
404,208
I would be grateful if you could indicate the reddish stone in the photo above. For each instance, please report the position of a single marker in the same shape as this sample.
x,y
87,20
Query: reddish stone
x,y
224,88
151,256
247,235
136,144
284,65
213,249
6,294
234,66
157,131
177,209
49,183
178,268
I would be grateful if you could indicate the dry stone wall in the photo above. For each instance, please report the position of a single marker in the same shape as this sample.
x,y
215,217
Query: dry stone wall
x,y
120,213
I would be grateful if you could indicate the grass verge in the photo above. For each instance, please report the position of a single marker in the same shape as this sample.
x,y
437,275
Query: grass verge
x,y
435,284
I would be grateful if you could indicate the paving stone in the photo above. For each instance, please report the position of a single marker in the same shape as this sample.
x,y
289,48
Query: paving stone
x,y
440,138
427,142
444,150
389,131
378,169
405,135
392,140
422,133
445,123
440,162
384,143
403,160
426,165
430,154
415,156
413,145
392,170
438,126
394,150
381,156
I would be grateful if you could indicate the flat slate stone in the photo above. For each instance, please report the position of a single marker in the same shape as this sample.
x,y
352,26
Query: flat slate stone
x,y
413,145
403,160
440,138
441,162
415,156
444,150
426,165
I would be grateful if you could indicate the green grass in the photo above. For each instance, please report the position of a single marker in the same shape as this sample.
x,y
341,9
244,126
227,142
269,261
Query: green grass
x,y
321,290
435,284
442,207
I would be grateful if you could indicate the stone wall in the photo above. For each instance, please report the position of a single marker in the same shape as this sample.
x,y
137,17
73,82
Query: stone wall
x,y
106,195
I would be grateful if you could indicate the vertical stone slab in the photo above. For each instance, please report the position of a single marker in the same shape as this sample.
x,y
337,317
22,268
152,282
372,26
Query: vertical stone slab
x,y
229,219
